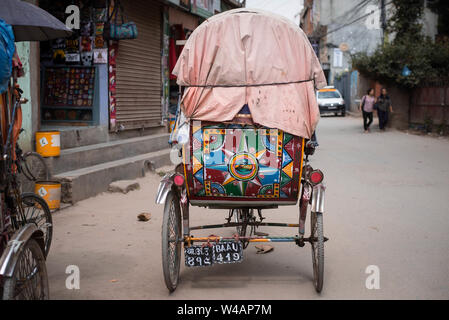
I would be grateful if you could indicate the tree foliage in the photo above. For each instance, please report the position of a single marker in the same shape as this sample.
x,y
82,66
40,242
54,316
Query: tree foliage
x,y
428,61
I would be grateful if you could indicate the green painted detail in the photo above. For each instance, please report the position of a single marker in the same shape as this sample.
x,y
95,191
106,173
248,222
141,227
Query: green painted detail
x,y
215,141
265,189
233,189
287,138
284,179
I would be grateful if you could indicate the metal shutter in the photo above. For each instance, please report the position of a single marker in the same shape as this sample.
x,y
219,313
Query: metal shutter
x,y
139,82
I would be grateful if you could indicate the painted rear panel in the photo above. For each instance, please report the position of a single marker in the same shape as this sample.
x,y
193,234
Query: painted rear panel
x,y
230,162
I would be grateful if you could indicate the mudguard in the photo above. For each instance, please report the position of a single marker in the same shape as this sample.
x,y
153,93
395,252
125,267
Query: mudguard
x,y
9,257
164,188
318,198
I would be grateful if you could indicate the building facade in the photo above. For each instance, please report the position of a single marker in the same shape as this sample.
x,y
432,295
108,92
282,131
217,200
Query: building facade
x,y
111,100
119,86
342,28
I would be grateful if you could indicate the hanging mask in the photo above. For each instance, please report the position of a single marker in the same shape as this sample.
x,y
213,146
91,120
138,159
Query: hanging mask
x,y
86,58
86,44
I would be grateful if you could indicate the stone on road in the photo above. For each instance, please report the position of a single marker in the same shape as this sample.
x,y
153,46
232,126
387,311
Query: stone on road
x,y
386,206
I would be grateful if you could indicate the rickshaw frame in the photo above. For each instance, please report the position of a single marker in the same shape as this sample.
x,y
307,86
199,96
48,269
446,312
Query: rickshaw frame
x,y
312,196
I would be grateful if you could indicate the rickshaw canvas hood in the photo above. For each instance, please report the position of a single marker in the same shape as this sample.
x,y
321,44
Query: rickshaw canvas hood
x,y
251,47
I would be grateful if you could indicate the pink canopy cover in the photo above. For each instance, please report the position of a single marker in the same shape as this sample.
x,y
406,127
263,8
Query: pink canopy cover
x,y
246,46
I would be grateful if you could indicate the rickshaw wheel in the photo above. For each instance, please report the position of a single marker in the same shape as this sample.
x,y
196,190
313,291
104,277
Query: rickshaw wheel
x,y
317,242
238,216
171,246
36,211
29,280
243,216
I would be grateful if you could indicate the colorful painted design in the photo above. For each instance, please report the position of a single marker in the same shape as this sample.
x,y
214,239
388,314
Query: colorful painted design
x,y
236,161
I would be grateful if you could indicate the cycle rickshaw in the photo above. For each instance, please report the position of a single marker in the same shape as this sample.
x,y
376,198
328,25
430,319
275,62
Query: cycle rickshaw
x,y
243,129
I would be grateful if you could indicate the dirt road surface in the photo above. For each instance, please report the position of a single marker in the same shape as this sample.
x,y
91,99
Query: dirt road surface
x,y
387,204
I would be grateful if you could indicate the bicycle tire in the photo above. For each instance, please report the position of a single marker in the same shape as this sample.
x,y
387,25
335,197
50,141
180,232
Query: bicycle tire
x,y
34,167
171,247
30,200
317,237
11,288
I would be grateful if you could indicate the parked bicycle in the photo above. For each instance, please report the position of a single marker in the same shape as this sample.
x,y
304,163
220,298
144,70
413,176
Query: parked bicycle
x,y
31,164
26,227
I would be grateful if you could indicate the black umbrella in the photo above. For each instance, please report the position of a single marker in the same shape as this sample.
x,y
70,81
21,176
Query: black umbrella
x,y
31,23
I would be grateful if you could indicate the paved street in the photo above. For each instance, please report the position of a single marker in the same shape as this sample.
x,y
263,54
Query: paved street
x,y
386,205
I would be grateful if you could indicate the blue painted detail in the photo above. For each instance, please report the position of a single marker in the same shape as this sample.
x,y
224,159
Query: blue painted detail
x,y
286,159
198,135
268,145
219,187
271,175
199,175
214,158
221,167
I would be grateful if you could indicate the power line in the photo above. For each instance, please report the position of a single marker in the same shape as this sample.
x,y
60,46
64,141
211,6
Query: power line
x,y
353,10
354,21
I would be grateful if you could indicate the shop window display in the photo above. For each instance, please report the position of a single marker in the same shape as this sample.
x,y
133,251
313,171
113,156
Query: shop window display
x,y
69,65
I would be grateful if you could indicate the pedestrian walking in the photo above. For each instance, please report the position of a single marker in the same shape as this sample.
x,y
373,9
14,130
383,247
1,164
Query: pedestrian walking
x,y
367,107
384,107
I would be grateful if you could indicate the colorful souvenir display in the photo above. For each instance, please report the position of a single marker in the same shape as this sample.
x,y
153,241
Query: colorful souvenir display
x,y
70,87
86,44
99,42
235,161
69,75
72,45
100,56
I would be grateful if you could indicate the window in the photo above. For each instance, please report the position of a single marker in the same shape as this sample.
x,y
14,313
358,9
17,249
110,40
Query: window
x,y
328,94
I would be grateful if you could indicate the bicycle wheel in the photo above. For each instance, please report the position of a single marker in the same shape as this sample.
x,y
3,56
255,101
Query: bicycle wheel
x,y
244,216
317,242
171,246
34,167
29,280
36,211
238,218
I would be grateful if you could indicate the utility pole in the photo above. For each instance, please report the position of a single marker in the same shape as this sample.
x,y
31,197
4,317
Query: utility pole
x,y
383,19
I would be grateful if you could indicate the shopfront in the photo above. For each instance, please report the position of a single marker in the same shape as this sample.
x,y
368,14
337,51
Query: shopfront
x,y
74,70
88,81
137,67
121,85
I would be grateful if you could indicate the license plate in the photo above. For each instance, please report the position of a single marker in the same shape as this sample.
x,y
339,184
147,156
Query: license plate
x,y
223,252
228,252
332,108
198,256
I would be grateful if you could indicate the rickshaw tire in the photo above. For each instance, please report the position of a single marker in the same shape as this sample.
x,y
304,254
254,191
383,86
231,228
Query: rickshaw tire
x,y
31,197
171,282
318,274
9,283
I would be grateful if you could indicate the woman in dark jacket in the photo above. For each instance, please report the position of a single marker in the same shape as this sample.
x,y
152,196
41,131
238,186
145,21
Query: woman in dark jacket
x,y
384,107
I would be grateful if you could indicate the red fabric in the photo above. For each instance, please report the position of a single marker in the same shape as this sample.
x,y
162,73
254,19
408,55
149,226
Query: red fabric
x,y
172,58
182,36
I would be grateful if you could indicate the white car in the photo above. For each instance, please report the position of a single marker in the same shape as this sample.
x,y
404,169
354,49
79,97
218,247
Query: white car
x,y
330,101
